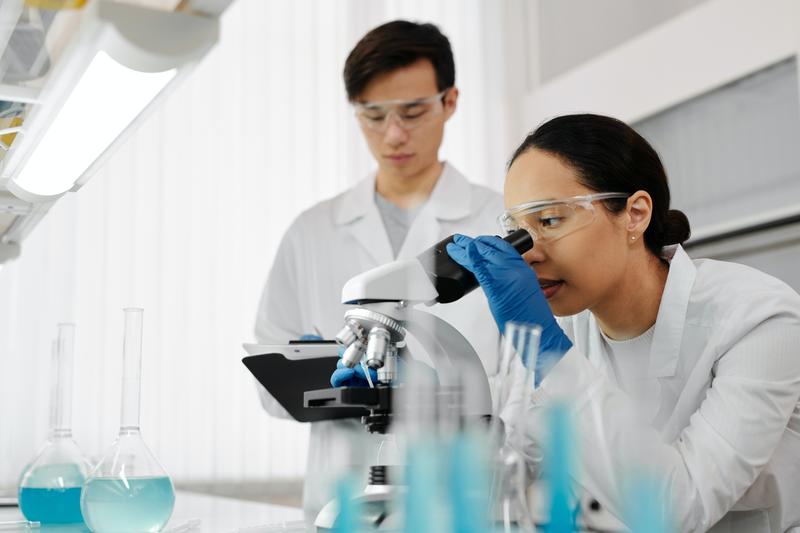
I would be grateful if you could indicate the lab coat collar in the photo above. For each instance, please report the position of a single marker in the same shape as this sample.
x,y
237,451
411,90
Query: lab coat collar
x,y
449,200
671,319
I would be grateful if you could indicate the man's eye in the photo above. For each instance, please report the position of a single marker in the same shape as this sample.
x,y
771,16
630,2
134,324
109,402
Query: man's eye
x,y
376,116
414,111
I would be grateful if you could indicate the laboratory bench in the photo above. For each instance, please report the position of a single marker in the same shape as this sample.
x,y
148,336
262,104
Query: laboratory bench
x,y
216,514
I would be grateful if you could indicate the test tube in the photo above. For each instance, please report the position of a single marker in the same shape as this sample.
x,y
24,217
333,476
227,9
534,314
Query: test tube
x,y
20,525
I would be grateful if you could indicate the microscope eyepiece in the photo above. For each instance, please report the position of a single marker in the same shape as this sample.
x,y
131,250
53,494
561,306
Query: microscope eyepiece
x,y
452,281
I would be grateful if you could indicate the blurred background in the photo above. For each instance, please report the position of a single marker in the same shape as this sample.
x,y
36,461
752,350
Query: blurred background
x,y
184,219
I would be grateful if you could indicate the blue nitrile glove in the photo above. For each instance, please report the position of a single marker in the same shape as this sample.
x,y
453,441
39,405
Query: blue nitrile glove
x,y
343,376
351,377
355,377
513,291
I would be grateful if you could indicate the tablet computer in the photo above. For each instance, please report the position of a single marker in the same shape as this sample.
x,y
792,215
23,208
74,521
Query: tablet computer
x,y
287,371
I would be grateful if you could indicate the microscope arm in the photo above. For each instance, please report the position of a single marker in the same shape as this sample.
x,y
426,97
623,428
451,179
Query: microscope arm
x,y
455,360
383,300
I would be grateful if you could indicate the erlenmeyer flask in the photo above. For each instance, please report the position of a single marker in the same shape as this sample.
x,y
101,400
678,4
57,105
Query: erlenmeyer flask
x,y
513,461
50,486
128,491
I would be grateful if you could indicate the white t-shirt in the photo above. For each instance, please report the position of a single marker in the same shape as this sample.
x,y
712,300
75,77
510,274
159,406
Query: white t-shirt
x,y
629,360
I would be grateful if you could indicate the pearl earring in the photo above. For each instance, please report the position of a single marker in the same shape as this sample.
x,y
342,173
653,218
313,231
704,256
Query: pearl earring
x,y
633,238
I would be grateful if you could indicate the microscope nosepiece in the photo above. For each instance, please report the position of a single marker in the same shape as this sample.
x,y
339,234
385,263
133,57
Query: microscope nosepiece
x,y
378,344
352,355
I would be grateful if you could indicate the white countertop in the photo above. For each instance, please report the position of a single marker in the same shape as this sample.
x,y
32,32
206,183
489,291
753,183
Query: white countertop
x,y
216,514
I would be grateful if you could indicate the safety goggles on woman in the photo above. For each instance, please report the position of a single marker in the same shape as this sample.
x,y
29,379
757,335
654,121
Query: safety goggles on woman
x,y
549,220
408,113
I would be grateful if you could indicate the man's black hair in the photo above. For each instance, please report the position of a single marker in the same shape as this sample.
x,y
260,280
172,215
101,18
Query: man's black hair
x,y
395,45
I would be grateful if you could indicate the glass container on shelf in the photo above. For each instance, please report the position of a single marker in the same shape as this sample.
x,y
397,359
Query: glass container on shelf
x,y
128,491
50,486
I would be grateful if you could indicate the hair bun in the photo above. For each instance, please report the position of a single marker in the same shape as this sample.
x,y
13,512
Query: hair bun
x,y
676,227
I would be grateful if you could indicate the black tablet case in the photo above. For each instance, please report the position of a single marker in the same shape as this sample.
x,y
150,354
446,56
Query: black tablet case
x,y
287,380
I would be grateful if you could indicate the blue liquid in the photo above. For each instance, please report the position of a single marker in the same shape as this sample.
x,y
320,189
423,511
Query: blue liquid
x,y
143,505
51,506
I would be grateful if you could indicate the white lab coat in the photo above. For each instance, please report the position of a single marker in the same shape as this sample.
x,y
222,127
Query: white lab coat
x,y
332,242
720,427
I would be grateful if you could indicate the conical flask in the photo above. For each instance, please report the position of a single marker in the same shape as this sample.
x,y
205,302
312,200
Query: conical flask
x,y
50,486
128,491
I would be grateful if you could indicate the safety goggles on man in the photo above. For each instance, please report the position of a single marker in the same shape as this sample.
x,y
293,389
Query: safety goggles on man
x,y
549,220
408,113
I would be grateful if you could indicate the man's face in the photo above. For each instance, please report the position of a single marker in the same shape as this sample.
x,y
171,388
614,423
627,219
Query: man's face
x,y
403,152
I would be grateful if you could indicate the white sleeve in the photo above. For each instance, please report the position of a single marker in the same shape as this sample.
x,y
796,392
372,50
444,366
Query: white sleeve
x,y
279,317
729,439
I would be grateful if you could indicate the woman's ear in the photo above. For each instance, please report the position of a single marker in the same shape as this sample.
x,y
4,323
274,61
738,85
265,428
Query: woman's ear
x,y
639,210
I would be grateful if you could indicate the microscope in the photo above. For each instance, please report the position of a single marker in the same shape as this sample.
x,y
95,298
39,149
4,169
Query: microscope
x,y
384,312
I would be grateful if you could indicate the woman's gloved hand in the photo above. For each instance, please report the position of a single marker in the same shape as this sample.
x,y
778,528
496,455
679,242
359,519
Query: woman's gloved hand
x,y
355,377
351,377
343,376
513,291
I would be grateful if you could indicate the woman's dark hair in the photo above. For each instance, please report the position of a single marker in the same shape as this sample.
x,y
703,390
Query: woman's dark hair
x,y
609,156
395,45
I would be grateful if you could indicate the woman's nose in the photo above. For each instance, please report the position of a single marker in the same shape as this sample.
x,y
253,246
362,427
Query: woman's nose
x,y
535,254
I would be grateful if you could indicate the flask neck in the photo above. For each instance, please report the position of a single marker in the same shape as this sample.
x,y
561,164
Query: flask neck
x,y
64,352
61,433
129,431
132,366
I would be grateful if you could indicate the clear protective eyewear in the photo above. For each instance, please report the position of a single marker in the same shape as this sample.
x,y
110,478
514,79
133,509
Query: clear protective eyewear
x,y
408,113
549,220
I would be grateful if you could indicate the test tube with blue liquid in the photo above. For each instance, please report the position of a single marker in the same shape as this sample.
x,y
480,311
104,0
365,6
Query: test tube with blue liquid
x,y
128,491
50,486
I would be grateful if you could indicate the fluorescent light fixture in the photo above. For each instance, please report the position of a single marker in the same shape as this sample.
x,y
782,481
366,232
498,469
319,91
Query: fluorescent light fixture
x,y
103,103
119,62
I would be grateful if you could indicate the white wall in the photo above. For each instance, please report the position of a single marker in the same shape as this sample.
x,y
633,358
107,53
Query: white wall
x,y
698,50
572,32
185,218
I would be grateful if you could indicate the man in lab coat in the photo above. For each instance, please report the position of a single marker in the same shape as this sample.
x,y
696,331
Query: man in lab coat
x,y
400,77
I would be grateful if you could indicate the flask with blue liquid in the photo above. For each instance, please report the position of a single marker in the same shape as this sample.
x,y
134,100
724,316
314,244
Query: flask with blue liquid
x,y
50,486
128,491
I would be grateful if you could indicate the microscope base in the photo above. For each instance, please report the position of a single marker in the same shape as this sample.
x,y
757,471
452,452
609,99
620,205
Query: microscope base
x,y
377,511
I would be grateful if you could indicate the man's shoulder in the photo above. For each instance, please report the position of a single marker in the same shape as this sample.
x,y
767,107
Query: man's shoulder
x,y
486,195
477,189
485,191
486,203
320,217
